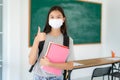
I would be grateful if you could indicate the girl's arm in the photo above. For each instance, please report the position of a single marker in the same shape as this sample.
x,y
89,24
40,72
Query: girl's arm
x,y
34,50
64,66
33,53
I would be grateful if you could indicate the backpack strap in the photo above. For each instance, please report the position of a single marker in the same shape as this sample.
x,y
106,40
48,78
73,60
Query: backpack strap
x,y
65,43
41,44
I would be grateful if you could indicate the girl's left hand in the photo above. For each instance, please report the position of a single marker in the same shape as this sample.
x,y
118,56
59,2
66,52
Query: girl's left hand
x,y
44,61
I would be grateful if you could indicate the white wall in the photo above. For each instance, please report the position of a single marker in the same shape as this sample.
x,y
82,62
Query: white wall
x,y
13,39
25,75
113,27
18,39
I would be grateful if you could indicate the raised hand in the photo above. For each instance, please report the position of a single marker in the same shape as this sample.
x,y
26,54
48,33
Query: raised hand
x,y
34,50
40,35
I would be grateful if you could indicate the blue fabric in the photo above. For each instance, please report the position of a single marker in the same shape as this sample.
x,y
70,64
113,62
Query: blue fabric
x,y
36,77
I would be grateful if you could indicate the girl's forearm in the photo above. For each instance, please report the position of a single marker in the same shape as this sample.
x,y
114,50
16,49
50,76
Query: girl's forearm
x,y
33,53
63,66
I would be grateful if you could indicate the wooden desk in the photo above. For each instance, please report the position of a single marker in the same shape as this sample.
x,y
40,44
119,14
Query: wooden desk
x,y
94,62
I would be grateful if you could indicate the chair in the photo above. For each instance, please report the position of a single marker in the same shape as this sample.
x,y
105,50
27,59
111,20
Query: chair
x,y
116,71
103,71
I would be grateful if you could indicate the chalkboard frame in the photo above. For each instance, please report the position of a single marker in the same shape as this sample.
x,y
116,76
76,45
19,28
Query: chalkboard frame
x,y
29,35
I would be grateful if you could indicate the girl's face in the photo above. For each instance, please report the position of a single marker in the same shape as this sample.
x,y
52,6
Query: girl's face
x,y
56,15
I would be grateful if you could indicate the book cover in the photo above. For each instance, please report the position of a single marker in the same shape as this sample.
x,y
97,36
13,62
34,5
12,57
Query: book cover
x,y
56,53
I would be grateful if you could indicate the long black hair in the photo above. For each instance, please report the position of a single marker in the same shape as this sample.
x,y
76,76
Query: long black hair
x,y
63,29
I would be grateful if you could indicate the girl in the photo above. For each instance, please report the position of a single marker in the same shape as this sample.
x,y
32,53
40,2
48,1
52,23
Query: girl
x,y
54,31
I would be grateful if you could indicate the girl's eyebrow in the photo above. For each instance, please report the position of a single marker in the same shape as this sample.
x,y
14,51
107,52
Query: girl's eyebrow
x,y
51,15
56,15
59,15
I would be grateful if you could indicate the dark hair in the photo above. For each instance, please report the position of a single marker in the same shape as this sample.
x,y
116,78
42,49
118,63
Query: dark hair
x,y
63,29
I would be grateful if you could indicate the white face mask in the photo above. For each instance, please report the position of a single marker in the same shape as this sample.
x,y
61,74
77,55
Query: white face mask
x,y
55,23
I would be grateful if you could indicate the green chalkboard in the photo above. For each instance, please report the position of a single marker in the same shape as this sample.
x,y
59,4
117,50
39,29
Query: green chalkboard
x,y
83,19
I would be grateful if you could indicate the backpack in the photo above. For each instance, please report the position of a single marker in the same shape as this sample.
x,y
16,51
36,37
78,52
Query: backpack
x,y
41,44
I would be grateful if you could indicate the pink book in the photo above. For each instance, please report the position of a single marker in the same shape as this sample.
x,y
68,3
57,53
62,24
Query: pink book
x,y
56,53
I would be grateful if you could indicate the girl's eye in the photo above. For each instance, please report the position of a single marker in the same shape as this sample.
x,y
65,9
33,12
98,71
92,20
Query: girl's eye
x,y
58,17
52,17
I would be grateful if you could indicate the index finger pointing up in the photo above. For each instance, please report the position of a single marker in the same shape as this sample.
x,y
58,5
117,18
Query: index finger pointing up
x,y
38,29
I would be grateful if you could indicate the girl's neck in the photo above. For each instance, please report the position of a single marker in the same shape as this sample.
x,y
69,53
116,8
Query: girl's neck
x,y
55,32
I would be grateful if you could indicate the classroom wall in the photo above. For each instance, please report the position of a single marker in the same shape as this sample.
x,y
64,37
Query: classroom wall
x,y
113,27
12,33
17,36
